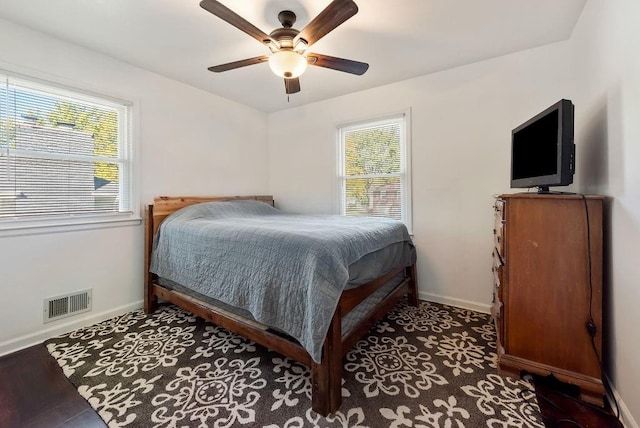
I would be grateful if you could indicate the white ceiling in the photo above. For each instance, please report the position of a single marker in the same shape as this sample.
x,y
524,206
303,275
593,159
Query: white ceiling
x,y
400,39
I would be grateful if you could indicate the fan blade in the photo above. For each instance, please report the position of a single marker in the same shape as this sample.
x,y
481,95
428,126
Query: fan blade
x,y
226,14
340,64
291,86
332,16
237,64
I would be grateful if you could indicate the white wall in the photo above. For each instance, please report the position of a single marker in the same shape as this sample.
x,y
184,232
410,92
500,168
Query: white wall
x,y
188,141
193,142
461,131
461,147
605,48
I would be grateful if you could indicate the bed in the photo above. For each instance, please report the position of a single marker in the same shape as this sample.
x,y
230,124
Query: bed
x,y
342,303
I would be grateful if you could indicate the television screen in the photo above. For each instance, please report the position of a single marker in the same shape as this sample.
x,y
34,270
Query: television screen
x,y
535,148
542,150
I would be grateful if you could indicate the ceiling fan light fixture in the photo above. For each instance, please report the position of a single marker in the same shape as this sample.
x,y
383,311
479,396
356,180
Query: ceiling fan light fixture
x,y
287,64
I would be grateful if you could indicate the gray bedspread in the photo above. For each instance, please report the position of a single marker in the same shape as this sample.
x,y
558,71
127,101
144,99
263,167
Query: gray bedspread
x,y
287,270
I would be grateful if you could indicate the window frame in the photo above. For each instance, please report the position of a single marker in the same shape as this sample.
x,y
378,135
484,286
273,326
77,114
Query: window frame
x,y
28,225
405,159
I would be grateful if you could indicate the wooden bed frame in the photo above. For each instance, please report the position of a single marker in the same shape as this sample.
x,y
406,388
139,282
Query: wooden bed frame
x,y
326,377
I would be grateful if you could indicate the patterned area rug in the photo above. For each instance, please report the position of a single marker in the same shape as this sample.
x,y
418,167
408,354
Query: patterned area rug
x,y
431,366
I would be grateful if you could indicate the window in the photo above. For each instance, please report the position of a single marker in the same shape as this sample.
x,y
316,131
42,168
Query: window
x,y
65,156
374,169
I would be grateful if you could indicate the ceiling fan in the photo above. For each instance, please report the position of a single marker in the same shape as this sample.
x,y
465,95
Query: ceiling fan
x,y
289,55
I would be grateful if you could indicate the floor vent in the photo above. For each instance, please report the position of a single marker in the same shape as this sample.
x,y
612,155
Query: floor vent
x,y
56,308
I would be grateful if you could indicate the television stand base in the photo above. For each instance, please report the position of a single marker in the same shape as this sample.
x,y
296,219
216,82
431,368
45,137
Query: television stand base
x,y
543,189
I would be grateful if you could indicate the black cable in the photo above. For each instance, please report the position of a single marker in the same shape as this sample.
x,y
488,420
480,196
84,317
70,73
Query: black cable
x,y
557,408
580,402
586,211
605,383
591,326
554,416
569,421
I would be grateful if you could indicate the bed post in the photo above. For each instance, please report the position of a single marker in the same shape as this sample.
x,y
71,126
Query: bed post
x,y
326,378
150,300
412,292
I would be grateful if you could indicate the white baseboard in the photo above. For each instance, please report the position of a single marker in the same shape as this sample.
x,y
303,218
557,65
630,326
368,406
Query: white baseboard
x,y
40,336
625,415
459,303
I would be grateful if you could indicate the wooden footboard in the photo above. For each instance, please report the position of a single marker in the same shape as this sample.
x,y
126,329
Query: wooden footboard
x,y
326,377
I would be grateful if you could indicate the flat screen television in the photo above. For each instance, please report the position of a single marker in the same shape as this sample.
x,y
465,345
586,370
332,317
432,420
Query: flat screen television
x,y
542,149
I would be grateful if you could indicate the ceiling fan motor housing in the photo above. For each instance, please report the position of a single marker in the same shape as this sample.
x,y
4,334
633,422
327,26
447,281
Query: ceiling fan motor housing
x,y
284,37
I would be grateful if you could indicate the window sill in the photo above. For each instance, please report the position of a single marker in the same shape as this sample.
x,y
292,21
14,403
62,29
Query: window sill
x,y
44,226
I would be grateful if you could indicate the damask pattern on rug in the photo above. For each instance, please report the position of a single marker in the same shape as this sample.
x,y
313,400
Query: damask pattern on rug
x,y
426,367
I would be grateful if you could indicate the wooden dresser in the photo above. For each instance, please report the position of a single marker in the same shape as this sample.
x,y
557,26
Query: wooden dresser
x,y
543,298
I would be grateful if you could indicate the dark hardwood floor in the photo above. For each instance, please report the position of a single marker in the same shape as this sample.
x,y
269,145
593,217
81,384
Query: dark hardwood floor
x,y
561,408
35,393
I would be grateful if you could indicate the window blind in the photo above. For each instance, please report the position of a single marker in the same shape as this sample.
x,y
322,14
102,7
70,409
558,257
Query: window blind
x,y
374,169
62,154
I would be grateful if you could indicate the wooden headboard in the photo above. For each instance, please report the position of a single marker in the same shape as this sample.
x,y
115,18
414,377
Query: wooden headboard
x,y
163,206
